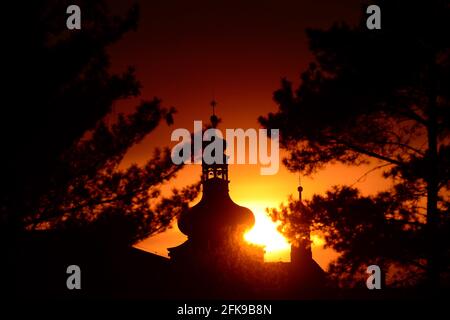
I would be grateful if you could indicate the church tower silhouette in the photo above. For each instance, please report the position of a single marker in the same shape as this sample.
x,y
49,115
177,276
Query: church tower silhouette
x,y
216,261
215,227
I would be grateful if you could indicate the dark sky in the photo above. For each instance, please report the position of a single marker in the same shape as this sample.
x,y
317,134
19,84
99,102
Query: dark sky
x,y
187,51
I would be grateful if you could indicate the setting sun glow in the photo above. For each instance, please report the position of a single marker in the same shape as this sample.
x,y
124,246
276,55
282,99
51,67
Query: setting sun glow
x,y
265,233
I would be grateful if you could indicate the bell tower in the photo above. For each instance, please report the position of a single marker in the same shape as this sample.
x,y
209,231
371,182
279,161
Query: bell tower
x,y
216,225
215,170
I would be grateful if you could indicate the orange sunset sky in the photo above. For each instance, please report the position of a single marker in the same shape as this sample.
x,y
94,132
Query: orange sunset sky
x,y
187,52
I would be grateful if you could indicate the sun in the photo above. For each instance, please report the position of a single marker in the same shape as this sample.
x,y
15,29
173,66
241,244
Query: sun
x,y
265,233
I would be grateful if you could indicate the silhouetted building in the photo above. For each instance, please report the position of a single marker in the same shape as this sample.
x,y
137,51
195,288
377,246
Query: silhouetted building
x,y
216,224
305,273
215,261
215,258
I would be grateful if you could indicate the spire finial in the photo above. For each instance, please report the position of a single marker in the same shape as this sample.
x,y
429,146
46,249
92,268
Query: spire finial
x,y
300,188
213,105
214,119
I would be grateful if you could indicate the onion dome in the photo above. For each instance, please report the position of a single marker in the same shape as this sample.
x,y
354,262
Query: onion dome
x,y
216,214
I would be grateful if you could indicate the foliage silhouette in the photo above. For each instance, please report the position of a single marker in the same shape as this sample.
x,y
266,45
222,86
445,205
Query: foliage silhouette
x,y
378,97
63,149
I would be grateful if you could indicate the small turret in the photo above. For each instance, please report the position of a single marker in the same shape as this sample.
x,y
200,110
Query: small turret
x,y
301,251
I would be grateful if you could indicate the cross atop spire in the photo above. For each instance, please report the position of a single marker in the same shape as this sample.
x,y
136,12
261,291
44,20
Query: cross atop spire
x,y
213,105
214,119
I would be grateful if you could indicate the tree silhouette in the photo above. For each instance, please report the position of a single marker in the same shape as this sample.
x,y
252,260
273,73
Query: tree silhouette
x,y
378,97
63,149
365,230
